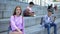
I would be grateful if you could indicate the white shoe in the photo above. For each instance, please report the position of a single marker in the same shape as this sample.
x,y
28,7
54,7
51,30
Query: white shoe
x,y
34,15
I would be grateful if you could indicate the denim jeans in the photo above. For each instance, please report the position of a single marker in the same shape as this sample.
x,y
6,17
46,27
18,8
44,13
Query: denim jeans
x,y
48,26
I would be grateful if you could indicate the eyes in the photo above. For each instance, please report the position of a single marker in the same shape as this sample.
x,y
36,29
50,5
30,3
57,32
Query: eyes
x,y
18,9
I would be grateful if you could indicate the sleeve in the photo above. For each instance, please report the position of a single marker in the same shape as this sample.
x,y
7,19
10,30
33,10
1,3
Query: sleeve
x,y
13,26
46,20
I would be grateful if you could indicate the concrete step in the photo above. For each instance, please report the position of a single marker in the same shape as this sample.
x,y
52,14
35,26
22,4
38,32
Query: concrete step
x,y
9,6
28,21
30,26
33,29
39,29
4,33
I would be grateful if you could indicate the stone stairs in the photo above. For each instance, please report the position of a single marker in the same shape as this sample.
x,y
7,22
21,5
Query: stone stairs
x,y
32,24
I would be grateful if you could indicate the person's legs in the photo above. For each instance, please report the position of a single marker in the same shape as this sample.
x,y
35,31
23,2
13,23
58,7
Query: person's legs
x,y
48,28
55,28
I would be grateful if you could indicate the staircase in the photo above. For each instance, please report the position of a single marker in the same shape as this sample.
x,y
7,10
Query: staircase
x,y
32,24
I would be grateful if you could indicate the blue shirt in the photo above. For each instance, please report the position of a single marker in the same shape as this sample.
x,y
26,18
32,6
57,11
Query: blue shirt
x,y
47,19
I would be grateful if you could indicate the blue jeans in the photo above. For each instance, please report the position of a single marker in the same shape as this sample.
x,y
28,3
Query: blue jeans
x,y
48,26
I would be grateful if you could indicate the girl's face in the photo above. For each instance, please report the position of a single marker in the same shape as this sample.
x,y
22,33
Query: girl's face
x,y
18,10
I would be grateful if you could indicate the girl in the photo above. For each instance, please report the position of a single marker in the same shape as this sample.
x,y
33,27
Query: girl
x,y
17,21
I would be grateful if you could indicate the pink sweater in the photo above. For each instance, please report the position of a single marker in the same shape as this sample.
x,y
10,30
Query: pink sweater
x,y
16,22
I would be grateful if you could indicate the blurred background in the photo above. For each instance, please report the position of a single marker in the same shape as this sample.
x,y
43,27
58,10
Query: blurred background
x,y
32,24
